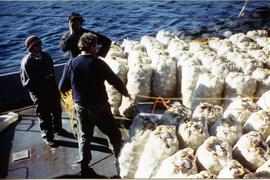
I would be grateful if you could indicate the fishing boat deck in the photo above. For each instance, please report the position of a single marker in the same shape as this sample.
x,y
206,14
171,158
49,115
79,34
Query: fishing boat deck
x,y
24,155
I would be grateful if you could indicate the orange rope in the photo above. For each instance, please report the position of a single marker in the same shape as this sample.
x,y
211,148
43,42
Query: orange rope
x,y
164,101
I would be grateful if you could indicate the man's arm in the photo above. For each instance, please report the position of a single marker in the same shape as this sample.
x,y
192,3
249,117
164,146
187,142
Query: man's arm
x,y
105,43
64,84
66,42
27,76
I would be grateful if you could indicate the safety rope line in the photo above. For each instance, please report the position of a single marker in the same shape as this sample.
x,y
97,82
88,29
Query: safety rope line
x,y
214,98
68,105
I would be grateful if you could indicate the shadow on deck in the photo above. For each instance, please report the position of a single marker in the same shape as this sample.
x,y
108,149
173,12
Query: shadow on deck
x,y
42,161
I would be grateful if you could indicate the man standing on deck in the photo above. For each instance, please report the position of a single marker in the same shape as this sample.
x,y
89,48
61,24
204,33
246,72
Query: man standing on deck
x,y
69,41
86,75
37,76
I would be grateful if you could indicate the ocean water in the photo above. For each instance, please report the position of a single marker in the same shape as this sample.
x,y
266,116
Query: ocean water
x,y
118,20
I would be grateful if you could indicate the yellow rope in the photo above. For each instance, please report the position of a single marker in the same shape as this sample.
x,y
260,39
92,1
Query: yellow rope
x,y
68,105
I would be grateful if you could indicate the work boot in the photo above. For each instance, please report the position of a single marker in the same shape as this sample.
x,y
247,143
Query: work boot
x,y
60,132
49,142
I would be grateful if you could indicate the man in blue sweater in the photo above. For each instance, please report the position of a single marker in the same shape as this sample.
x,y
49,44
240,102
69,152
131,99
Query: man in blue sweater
x,y
86,75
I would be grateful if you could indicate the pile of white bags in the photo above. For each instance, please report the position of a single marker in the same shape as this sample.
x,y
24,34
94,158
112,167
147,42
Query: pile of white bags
x,y
224,87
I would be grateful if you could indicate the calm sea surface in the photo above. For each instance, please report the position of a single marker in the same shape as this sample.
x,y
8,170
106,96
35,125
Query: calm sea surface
x,y
117,20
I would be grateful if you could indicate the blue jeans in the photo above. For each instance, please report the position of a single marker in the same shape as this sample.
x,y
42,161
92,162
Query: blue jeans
x,y
101,116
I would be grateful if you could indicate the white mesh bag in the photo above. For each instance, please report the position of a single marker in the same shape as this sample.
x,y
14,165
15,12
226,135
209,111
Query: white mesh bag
x,y
139,132
181,164
233,170
175,114
213,155
208,113
192,133
209,89
240,109
264,102
251,151
161,144
259,122
227,129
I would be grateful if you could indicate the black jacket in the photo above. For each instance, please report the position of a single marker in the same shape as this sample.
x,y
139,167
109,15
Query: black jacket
x,y
37,76
86,75
70,43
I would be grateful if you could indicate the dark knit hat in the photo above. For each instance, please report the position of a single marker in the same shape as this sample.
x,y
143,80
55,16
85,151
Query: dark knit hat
x,y
75,16
31,41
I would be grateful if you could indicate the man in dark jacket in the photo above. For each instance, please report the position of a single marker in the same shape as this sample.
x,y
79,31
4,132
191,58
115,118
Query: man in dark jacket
x,y
69,41
37,76
86,75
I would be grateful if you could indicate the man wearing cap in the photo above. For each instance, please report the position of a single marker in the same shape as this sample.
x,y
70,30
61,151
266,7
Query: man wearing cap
x,y
37,76
69,41
86,75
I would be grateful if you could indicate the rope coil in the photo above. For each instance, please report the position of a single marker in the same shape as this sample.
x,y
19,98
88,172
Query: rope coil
x,y
68,106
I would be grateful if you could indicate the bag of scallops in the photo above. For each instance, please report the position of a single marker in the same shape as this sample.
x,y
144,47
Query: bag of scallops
x,y
190,74
128,107
251,150
139,132
116,51
227,129
203,175
213,155
238,84
264,167
161,144
259,122
139,83
262,75
233,170
175,114
263,102
209,88
208,113
139,80
143,121
119,67
180,165
192,133
164,77
240,109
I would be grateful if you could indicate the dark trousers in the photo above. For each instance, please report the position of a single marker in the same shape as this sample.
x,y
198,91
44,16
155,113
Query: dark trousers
x,y
89,117
49,113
